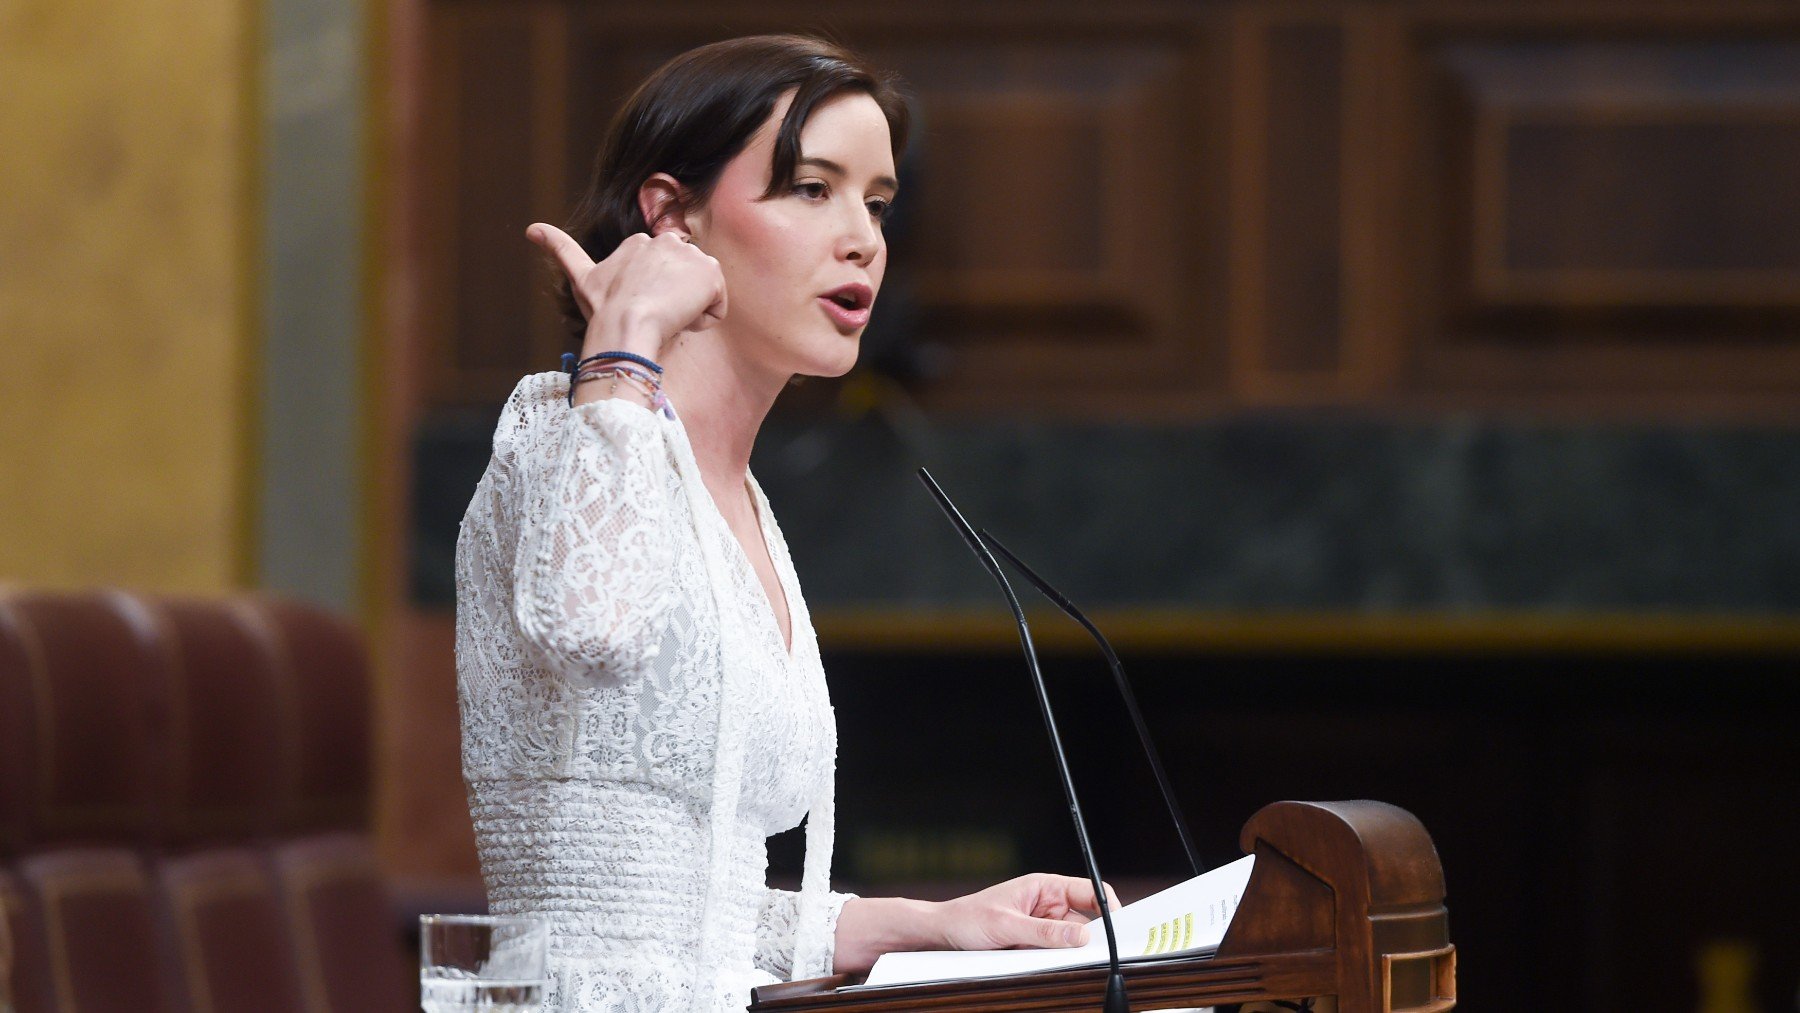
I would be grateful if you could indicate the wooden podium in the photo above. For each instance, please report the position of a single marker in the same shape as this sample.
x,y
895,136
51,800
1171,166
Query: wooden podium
x,y
1346,900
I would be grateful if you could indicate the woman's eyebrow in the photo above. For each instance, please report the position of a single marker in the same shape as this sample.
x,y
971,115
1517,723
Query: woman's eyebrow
x,y
829,166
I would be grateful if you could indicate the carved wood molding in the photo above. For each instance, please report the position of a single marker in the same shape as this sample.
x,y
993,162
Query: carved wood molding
x,y
1177,209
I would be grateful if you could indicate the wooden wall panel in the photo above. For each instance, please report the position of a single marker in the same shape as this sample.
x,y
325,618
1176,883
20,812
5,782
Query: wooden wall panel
x,y
1634,175
497,139
1609,216
1305,197
493,189
1215,206
1052,237
1053,179
1288,202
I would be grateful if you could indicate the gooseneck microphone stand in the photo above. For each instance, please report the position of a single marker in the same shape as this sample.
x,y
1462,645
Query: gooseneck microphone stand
x,y
1116,1001
1118,671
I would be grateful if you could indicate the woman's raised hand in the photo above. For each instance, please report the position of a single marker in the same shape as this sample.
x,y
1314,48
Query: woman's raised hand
x,y
643,294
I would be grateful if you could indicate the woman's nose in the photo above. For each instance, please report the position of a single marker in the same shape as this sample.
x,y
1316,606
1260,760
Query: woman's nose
x,y
860,240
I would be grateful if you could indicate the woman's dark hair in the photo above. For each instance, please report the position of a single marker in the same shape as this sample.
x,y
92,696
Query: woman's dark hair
x,y
696,112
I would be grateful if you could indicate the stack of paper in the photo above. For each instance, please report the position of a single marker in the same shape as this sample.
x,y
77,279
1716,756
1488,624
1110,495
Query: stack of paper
x,y
1188,916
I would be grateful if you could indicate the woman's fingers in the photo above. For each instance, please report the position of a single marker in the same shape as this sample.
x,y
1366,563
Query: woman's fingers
x,y
1033,910
716,311
661,283
568,253
1081,896
1016,930
1068,893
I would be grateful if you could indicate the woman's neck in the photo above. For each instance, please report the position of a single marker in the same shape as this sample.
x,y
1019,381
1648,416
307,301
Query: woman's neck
x,y
722,402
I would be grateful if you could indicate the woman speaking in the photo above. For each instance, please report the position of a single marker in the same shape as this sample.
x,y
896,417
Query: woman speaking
x,y
642,698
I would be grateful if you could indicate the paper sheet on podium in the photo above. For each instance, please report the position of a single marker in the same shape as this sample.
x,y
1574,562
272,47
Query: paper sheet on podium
x,y
1188,916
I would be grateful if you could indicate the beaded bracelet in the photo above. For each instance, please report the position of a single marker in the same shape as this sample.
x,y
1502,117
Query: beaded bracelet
x,y
573,367
644,381
649,384
570,365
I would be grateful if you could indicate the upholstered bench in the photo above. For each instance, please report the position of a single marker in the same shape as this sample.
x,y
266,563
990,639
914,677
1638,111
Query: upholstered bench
x,y
184,809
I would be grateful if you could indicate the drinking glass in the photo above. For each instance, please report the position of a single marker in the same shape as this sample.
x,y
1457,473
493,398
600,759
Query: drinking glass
x,y
493,963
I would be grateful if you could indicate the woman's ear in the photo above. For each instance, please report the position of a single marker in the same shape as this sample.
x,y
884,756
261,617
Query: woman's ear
x,y
660,200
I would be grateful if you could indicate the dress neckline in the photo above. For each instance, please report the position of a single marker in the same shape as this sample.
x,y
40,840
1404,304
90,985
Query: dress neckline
x,y
760,506
765,529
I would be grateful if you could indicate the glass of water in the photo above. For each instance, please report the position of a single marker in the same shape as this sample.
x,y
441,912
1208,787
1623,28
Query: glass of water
x,y
481,962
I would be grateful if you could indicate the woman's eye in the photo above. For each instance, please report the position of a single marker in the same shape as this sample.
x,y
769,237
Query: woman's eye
x,y
813,190
881,209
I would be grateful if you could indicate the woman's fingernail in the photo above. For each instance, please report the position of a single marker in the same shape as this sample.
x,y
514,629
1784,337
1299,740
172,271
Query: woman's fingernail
x,y
1073,933
534,234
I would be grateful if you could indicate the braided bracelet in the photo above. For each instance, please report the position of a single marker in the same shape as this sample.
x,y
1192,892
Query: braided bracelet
x,y
573,367
649,384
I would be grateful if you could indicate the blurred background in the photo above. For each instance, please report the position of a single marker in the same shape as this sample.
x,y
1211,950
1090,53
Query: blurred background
x,y
1411,389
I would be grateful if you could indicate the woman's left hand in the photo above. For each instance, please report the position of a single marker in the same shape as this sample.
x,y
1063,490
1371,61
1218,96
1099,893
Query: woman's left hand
x,y
1039,910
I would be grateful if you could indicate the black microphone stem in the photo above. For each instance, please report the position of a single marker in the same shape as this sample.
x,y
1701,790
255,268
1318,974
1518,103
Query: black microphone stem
x,y
1116,1001
1118,670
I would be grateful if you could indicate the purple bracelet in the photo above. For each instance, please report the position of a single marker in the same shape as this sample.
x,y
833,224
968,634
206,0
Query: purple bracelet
x,y
572,366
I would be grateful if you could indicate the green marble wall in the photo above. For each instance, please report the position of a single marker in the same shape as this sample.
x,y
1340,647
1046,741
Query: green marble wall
x,y
1276,512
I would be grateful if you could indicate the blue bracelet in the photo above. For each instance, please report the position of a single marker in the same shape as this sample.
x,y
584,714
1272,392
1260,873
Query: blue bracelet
x,y
627,356
572,366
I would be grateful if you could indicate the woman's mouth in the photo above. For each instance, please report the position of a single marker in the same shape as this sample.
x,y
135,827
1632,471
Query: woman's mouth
x,y
848,306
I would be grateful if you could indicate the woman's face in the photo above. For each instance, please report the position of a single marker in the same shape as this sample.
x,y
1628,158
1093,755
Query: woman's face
x,y
802,268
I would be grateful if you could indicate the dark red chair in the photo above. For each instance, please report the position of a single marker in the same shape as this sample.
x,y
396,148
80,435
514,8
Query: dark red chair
x,y
233,762
224,745
6,942
101,678
29,975
231,944
105,952
341,918
321,656
18,733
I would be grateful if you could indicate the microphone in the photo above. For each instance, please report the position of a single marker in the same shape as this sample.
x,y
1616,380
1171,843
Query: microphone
x,y
1116,1000
1118,671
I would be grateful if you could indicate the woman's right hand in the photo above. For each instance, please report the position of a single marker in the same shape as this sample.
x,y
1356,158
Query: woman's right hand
x,y
643,294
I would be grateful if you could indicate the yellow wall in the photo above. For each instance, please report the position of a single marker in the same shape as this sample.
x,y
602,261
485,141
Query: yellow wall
x,y
127,237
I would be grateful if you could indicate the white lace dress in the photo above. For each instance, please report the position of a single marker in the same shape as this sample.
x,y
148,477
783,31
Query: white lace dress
x,y
633,727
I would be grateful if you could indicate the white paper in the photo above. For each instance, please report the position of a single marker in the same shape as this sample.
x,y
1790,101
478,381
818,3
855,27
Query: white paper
x,y
1188,916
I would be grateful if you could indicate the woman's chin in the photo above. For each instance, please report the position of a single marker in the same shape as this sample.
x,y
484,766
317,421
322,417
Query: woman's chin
x,y
827,367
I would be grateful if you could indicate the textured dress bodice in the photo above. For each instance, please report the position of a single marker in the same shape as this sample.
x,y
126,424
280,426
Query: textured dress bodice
x,y
633,726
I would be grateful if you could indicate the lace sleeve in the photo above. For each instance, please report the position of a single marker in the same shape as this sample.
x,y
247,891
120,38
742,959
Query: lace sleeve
x,y
779,924
591,587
